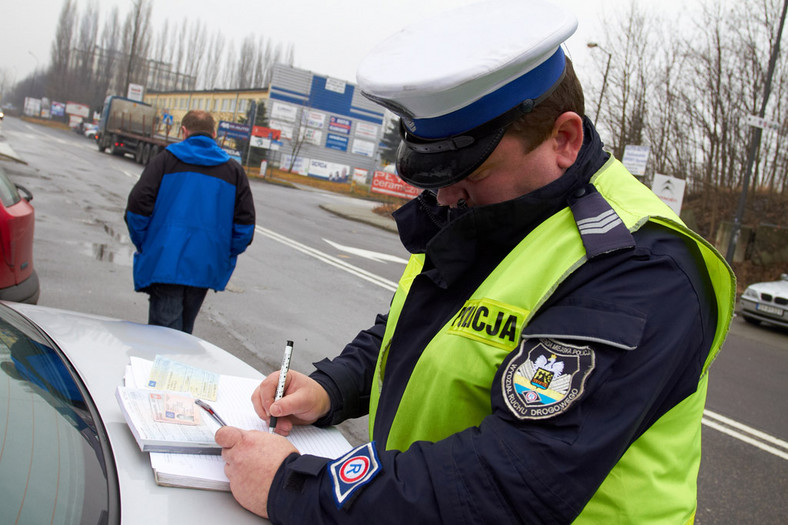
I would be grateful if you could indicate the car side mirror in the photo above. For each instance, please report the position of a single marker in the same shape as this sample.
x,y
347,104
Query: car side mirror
x,y
24,192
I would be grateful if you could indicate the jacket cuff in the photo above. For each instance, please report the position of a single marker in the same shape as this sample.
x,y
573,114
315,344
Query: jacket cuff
x,y
334,395
295,476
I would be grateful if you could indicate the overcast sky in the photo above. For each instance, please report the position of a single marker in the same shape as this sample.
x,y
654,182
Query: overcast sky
x,y
329,37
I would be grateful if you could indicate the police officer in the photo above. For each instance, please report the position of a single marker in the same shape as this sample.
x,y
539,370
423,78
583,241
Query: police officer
x,y
545,356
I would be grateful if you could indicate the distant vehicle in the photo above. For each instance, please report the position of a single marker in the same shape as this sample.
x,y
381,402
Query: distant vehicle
x,y
18,278
129,126
8,109
68,456
766,302
90,130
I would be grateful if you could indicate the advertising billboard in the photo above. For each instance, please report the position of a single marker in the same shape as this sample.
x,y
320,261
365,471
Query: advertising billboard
x,y
390,184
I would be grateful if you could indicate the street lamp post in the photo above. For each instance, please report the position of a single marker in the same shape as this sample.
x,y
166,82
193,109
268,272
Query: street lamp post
x,y
35,73
604,77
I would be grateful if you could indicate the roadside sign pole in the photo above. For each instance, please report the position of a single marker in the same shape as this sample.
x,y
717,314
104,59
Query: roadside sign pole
x,y
249,142
755,143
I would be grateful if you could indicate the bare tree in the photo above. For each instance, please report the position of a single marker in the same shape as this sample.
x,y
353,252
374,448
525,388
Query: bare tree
x,y
230,65
109,62
60,56
666,132
159,56
84,61
196,44
758,33
136,30
299,136
261,57
628,80
213,62
7,80
246,62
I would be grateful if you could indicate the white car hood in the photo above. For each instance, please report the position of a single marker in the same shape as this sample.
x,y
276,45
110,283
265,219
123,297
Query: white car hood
x,y
100,348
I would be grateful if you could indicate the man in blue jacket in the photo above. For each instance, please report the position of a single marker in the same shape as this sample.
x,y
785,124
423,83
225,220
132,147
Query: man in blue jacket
x,y
189,216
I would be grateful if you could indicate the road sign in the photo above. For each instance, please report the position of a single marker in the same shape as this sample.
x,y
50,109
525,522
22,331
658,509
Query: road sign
x,y
759,122
635,158
670,190
136,92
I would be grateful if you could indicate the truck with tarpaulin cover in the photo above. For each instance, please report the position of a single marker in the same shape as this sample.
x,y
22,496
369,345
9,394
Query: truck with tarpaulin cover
x,y
131,126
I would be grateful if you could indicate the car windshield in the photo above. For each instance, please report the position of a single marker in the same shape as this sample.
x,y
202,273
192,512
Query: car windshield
x,y
53,467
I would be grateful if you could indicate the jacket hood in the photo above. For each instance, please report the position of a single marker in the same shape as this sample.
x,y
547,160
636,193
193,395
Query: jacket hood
x,y
200,150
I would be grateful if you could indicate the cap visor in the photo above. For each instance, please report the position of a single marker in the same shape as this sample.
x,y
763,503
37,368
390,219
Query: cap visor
x,y
440,169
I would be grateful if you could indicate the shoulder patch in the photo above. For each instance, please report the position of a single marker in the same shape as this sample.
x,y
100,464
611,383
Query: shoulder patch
x,y
545,377
352,471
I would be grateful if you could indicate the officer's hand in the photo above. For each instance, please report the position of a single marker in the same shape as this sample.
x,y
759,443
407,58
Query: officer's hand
x,y
252,458
303,402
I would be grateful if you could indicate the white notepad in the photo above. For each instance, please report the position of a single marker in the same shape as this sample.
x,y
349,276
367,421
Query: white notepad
x,y
187,456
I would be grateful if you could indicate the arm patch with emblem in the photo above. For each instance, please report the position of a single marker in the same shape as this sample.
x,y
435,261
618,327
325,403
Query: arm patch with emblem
x,y
545,377
352,471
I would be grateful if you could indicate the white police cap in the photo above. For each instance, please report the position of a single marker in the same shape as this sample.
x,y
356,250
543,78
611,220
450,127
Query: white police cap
x,y
457,79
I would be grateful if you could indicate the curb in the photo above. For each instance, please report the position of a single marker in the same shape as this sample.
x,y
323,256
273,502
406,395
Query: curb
x,y
361,214
7,153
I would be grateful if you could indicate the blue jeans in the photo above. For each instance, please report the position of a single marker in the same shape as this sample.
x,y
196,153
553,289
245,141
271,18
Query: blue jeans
x,y
174,305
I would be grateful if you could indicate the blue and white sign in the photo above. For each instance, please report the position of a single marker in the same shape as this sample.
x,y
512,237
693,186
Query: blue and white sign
x,y
234,130
339,125
337,142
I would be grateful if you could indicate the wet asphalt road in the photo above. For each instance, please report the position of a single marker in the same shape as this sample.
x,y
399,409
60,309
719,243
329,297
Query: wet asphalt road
x,y
317,278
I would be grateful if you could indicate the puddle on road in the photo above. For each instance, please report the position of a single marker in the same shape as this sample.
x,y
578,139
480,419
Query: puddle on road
x,y
118,236
123,256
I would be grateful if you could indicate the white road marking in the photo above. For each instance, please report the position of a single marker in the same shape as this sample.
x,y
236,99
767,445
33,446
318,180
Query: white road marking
x,y
328,259
367,254
749,435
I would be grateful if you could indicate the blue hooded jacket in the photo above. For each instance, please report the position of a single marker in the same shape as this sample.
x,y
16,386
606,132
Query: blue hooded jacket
x,y
189,216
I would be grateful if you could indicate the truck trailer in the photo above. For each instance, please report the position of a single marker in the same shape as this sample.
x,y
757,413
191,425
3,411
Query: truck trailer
x,y
129,126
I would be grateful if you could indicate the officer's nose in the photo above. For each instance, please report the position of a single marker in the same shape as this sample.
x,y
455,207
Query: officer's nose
x,y
453,196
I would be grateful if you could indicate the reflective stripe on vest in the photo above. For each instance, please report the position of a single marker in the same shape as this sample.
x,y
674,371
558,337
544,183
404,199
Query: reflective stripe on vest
x,y
457,370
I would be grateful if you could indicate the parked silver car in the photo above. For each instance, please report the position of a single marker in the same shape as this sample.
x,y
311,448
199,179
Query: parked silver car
x,y
66,452
766,302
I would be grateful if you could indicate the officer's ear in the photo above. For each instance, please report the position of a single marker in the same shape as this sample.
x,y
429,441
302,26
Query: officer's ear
x,y
567,137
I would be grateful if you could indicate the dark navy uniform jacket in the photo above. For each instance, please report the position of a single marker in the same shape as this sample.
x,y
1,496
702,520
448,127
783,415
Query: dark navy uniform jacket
x,y
651,299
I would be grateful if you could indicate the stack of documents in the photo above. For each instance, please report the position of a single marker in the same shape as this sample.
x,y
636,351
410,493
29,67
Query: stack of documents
x,y
179,435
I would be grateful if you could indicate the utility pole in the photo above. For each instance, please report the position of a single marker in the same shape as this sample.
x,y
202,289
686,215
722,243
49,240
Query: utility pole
x,y
252,123
35,73
755,142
